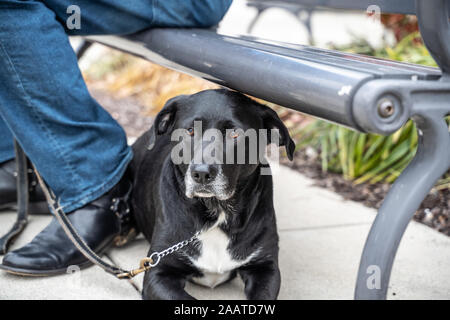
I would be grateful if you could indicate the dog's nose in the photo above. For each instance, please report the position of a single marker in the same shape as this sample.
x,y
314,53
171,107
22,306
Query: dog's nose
x,y
203,173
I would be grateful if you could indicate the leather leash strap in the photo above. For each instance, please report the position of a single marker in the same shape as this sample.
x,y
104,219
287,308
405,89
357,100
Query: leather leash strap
x,y
78,241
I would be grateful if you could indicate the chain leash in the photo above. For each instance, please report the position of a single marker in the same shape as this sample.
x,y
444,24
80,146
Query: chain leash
x,y
153,260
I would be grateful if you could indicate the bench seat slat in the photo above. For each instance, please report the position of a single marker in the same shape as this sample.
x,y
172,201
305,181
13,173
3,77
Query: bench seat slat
x,y
318,82
376,66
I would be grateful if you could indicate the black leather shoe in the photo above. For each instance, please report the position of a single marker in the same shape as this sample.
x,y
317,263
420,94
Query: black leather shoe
x,y
8,190
100,223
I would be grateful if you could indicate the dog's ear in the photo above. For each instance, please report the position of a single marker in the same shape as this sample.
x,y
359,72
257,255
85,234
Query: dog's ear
x,y
272,121
164,120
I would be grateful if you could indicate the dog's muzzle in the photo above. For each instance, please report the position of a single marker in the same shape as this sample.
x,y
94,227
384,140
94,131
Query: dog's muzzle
x,y
206,181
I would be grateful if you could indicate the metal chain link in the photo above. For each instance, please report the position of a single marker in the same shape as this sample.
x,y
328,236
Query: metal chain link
x,y
156,256
152,261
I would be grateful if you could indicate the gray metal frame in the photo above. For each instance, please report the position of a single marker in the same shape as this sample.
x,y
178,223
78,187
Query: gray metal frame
x,y
322,83
362,93
386,6
302,13
428,105
307,7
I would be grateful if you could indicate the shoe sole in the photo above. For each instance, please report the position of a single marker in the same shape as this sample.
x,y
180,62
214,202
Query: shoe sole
x,y
48,273
41,273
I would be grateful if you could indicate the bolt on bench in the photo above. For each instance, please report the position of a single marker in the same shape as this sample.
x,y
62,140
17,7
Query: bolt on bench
x,y
359,92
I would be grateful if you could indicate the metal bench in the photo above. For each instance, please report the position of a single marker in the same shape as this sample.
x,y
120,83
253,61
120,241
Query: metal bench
x,y
363,93
303,10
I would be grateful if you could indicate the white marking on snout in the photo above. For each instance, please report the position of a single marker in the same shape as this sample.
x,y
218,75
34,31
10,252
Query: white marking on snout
x,y
218,186
215,261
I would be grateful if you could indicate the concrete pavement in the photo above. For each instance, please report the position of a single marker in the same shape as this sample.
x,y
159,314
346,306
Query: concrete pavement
x,y
321,239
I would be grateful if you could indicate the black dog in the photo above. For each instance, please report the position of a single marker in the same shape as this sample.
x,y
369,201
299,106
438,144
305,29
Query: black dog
x,y
231,204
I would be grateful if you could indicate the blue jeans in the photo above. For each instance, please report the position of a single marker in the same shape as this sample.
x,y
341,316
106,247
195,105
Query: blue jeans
x,y
79,149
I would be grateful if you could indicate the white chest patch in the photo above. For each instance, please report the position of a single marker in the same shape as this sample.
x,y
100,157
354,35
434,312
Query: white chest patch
x,y
215,260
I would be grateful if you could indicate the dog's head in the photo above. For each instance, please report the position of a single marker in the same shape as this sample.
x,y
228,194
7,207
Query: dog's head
x,y
218,139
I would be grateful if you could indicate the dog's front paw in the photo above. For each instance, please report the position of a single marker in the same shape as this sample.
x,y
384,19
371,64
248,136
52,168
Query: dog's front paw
x,y
164,287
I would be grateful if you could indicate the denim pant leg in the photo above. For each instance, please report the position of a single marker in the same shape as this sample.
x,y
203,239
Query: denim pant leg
x,y
80,150
99,17
75,144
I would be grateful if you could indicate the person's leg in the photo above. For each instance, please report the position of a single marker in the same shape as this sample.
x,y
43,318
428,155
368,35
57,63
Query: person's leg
x,y
189,13
124,17
140,17
75,144
77,147
81,152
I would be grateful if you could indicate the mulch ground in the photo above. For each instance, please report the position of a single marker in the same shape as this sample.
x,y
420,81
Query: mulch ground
x,y
434,211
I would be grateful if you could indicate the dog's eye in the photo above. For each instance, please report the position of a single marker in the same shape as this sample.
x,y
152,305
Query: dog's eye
x,y
234,134
190,131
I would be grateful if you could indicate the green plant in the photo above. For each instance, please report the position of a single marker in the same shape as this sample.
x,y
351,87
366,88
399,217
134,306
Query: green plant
x,y
361,157
369,157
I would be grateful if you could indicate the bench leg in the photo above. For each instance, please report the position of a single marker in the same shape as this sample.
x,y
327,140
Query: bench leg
x,y
430,163
305,16
254,20
82,48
